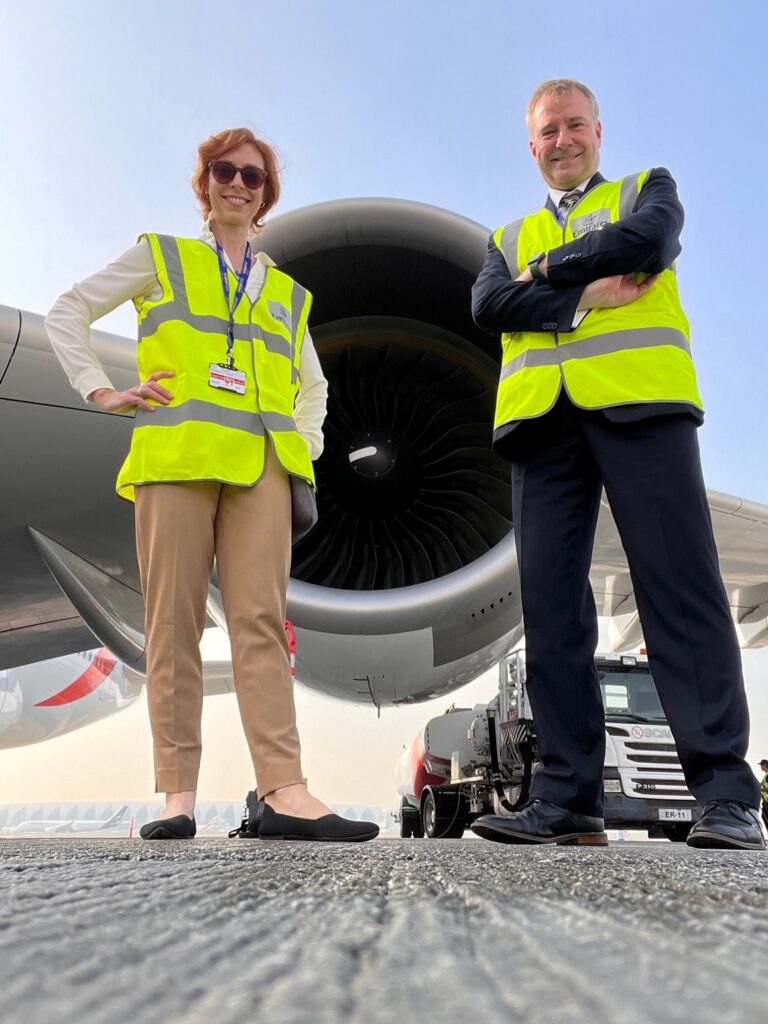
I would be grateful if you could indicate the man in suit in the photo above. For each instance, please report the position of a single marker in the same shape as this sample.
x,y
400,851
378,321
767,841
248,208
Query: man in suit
x,y
764,790
598,390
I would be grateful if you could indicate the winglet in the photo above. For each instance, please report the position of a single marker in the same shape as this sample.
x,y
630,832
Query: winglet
x,y
112,611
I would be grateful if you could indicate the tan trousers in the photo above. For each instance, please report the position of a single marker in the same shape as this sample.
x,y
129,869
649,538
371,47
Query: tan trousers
x,y
179,528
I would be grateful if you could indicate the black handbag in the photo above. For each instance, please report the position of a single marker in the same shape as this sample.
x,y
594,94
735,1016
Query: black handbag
x,y
248,829
303,508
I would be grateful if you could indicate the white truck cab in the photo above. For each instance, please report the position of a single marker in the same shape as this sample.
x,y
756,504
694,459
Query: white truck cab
x,y
476,761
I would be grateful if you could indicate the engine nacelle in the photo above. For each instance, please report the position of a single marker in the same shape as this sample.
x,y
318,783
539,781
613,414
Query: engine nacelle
x,y
407,586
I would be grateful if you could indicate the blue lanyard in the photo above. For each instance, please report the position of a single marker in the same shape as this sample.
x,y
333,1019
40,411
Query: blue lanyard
x,y
241,283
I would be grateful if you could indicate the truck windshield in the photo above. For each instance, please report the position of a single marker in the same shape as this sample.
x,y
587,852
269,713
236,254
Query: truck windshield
x,y
630,693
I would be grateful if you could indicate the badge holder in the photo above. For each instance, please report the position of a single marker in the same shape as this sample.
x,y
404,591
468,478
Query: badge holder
x,y
226,376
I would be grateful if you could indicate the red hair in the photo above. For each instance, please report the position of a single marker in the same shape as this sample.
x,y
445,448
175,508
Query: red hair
x,y
217,146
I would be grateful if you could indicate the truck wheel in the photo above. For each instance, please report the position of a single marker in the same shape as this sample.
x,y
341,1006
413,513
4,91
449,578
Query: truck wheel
x,y
441,816
410,821
676,833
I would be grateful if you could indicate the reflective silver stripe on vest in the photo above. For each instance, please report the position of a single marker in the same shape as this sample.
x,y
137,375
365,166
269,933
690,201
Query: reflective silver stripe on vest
x,y
509,236
203,322
210,324
274,343
198,411
169,247
600,345
278,421
298,298
628,195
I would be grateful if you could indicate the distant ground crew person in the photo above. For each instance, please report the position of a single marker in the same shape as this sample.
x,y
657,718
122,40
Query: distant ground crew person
x,y
598,390
228,410
764,789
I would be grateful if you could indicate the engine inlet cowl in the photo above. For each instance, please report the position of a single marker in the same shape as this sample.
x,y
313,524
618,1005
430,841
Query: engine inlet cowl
x,y
409,489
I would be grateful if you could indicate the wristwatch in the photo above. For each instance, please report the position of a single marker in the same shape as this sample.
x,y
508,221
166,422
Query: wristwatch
x,y
533,266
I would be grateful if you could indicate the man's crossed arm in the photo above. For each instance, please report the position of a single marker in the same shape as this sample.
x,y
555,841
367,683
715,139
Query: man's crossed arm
x,y
596,270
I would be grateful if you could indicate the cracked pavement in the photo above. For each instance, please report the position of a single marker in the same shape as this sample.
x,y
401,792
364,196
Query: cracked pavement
x,y
387,932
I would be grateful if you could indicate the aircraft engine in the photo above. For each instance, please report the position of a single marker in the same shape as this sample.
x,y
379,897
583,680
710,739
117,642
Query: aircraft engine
x,y
409,489
408,579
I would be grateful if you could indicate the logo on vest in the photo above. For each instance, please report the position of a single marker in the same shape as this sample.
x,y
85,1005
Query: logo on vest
x,y
587,222
280,313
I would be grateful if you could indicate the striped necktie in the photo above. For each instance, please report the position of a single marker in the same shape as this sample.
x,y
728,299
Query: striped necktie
x,y
566,202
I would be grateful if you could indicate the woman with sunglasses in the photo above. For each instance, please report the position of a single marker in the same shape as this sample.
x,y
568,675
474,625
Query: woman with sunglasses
x,y
229,405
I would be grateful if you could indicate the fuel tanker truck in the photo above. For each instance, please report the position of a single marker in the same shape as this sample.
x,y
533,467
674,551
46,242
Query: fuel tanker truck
x,y
473,761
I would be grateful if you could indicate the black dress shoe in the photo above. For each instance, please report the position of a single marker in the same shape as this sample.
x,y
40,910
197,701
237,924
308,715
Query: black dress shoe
x,y
180,827
328,829
727,825
542,822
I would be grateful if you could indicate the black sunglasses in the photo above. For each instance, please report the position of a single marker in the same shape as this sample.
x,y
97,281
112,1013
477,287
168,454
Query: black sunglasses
x,y
224,172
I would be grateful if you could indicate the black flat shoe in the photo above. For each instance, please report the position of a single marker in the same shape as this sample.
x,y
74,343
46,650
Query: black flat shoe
x,y
727,825
180,827
329,829
539,822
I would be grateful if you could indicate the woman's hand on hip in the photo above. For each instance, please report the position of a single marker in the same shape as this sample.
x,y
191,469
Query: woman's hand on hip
x,y
137,397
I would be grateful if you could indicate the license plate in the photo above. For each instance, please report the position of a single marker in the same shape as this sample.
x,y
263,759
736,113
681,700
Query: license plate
x,y
674,814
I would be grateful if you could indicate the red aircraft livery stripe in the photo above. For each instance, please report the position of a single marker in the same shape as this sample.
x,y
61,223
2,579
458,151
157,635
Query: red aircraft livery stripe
x,y
94,676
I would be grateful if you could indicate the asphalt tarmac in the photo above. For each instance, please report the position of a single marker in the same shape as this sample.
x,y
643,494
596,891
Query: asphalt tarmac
x,y
389,932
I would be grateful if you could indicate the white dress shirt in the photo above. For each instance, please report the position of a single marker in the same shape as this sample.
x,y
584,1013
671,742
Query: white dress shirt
x,y
556,194
132,276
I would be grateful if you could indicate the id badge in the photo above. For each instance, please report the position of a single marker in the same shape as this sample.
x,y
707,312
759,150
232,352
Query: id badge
x,y
226,377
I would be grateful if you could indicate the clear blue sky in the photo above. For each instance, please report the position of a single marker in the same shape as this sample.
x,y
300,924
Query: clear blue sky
x,y
102,106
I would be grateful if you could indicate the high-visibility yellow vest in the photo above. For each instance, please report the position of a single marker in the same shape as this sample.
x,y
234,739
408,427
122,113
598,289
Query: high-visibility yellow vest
x,y
636,353
208,433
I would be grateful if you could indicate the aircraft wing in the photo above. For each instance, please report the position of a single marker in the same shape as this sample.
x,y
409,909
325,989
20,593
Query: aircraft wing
x,y
741,533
